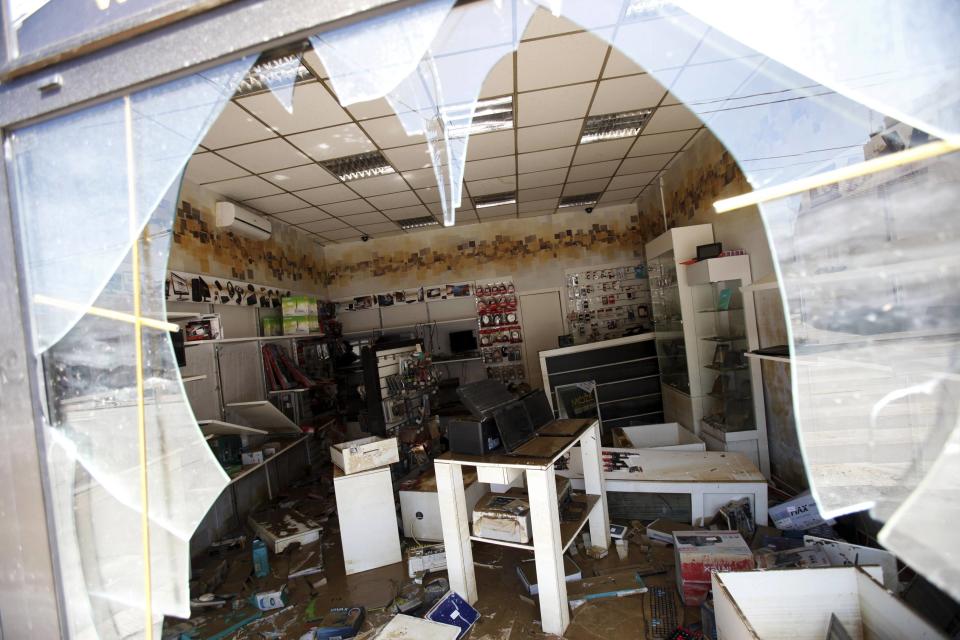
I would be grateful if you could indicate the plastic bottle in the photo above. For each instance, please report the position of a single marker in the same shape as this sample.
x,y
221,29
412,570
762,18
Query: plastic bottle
x,y
261,560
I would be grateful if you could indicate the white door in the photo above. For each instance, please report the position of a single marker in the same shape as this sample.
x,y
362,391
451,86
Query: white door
x,y
542,318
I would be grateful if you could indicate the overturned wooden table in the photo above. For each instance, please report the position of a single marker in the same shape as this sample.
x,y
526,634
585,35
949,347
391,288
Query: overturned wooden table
x,y
551,538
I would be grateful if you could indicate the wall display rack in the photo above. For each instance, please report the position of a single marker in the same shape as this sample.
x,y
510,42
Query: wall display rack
x,y
607,301
500,329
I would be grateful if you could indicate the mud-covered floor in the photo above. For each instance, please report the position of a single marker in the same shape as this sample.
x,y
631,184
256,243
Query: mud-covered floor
x,y
506,610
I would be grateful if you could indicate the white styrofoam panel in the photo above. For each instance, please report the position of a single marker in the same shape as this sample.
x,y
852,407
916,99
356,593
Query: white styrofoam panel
x,y
313,108
672,118
540,193
490,145
490,168
601,151
594,170
327,195
348,207
276,204
415,156
267,155
632,180
542,178
368,520
388,132
650,144
379,185
492,185
394,200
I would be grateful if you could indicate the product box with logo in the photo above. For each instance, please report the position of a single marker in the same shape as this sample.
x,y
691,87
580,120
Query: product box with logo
x,y
364,454
701,553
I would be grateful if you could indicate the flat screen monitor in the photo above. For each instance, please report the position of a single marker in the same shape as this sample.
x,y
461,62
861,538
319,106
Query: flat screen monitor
x,y
462,341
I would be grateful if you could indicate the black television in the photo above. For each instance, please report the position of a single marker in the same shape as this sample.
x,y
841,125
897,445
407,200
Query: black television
x,y
462,341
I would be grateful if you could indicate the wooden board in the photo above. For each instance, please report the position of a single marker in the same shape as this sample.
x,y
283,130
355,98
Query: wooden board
x,y
564,427
688,466
556,447
262,415
220,428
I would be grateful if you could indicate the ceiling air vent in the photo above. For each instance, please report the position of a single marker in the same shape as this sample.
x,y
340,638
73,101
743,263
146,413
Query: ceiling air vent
x,y
610,126
362,165
582,200
495,200
417,223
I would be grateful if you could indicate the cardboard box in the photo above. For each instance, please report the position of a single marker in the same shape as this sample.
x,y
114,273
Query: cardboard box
x,y
503,516
701,553
429,557
313,322
252,457
206,327
797,514
271,326
293,325
364,454
269,600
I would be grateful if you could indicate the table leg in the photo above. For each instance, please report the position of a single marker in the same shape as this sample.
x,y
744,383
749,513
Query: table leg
x,y
456,530
547,545
593,484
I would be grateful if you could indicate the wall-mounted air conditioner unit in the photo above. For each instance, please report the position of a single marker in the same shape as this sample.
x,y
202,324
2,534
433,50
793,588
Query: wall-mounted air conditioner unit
x,y
234,218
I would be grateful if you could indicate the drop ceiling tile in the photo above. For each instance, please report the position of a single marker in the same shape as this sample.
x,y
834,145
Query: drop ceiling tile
x,y
543,23
644,163
632,180
348,207
672,118
430,194
492,185
490,145
540,193
300,216
671,99
394,200
618,64
243,188
312,60
715,81
546,206
389,132
323,226
371,109
499,81
466,220
235,126
594,170
209,167
490,168
620,195
421,178
326,195
333,142
561,60
601,151
554,105
276,204
380,227
548,136
586,186
437,210
268,155
342,234
543,160
627,94
718,46
313,108
379,185
414,157
542,178
648,145
303,177
405,213
499,211
365,218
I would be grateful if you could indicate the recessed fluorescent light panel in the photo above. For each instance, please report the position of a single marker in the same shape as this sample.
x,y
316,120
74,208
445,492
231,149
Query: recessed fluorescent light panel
x,y
362,165
494,114
583,200
417,223
495,200
611,126
272,72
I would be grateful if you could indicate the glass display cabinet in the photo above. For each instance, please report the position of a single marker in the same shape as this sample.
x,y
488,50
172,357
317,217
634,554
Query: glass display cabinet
x,y
731,406
673,321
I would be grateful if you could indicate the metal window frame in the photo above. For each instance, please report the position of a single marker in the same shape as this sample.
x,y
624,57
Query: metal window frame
x,y
31,592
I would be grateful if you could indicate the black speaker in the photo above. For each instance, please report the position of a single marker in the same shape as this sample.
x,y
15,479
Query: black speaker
x,y
472,436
